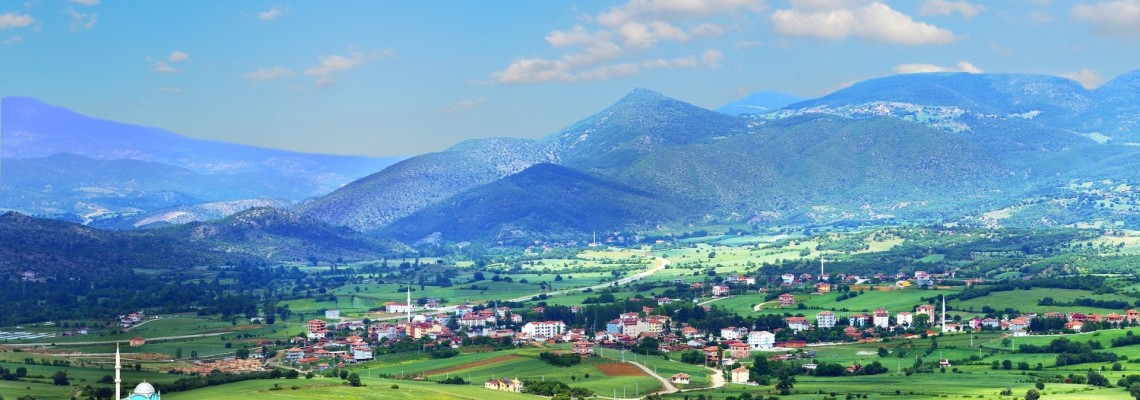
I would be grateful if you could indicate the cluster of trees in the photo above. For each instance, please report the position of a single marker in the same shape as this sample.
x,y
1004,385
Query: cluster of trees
x,y
560,360
1070,352
555,389
835,369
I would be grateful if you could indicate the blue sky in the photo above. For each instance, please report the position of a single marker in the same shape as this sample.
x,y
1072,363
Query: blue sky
x,y
402,78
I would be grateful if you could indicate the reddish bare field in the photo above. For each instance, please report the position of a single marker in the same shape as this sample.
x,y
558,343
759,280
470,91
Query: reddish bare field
x,y
619,369
489,361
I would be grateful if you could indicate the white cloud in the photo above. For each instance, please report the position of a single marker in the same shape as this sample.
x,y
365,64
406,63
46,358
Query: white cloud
x,y
164,68
535,70
944,7
12,40
1040,17
615,43
85,2
466,104
178,56
1088,78
639,10
13,20
706,29
744,44
711,58
82,20
268,74
272,13
874,21
644,35
921,68
332,64
1113,18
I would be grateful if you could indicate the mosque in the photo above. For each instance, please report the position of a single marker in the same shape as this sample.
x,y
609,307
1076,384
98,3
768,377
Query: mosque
x,y
144,391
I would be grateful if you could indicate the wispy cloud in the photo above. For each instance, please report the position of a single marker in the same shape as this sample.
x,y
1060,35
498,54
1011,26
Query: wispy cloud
x,y
921,68
945,7
268,74
837,19
272,13
167,67
85,2
1111,18
466,104
12,40
614,43
81,20
13,20
1088,78
333,64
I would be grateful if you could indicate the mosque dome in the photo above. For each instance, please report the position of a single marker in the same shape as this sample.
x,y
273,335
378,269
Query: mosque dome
x,y
144,389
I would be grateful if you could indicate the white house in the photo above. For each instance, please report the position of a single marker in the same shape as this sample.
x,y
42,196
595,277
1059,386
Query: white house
x,y
825,319
761,340
332,314
544,329
881,318
362,353
904,319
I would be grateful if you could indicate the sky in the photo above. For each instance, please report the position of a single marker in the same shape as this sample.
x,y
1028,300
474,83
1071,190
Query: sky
x,y
384,78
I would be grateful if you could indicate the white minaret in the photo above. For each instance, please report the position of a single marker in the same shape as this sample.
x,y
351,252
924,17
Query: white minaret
x,y
820,268
118,379
944,313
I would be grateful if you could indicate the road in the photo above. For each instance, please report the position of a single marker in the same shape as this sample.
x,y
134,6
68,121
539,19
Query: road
x,y
669,388
153,339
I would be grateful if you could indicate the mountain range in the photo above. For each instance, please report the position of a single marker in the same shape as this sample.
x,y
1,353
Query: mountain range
x,y
64,165
933,147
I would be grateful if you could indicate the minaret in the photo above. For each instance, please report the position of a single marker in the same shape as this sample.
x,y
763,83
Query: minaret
x,y
118,379
820,268
944,313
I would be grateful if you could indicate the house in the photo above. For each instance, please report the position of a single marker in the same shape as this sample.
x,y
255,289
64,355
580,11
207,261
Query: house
x,y
1132,316
400,308
761,340
294,354
473,320
720,290
788,279
823,288
460,310
431,305
137,341
543,329
925,309
787,300
504,385
516,318
583,348
656,323
316,329
1075,325
681,378
904,319
881,318
825,319
712,354
729,333
859,319
740,375
740,350
797,323
332,314
362,352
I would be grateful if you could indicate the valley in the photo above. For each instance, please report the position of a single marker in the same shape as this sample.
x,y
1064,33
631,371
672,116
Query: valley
x,y
986,274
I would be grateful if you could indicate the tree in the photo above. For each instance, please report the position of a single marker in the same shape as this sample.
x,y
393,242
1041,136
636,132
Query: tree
x,y
60,379
693,357
354,379
1096,379
178,353
786,383
883,351
242,353
1032,395
1134,390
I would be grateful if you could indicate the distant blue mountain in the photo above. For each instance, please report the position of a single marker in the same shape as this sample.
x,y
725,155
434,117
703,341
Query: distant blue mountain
x,y
65,165
759,103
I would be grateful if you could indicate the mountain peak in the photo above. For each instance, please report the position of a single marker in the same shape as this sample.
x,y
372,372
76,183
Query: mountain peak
x,y
643,96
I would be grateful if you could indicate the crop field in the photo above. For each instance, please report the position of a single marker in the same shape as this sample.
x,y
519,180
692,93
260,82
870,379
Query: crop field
x,y
1026,301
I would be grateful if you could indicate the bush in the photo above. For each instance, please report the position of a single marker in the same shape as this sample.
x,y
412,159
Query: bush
x,y
560,360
